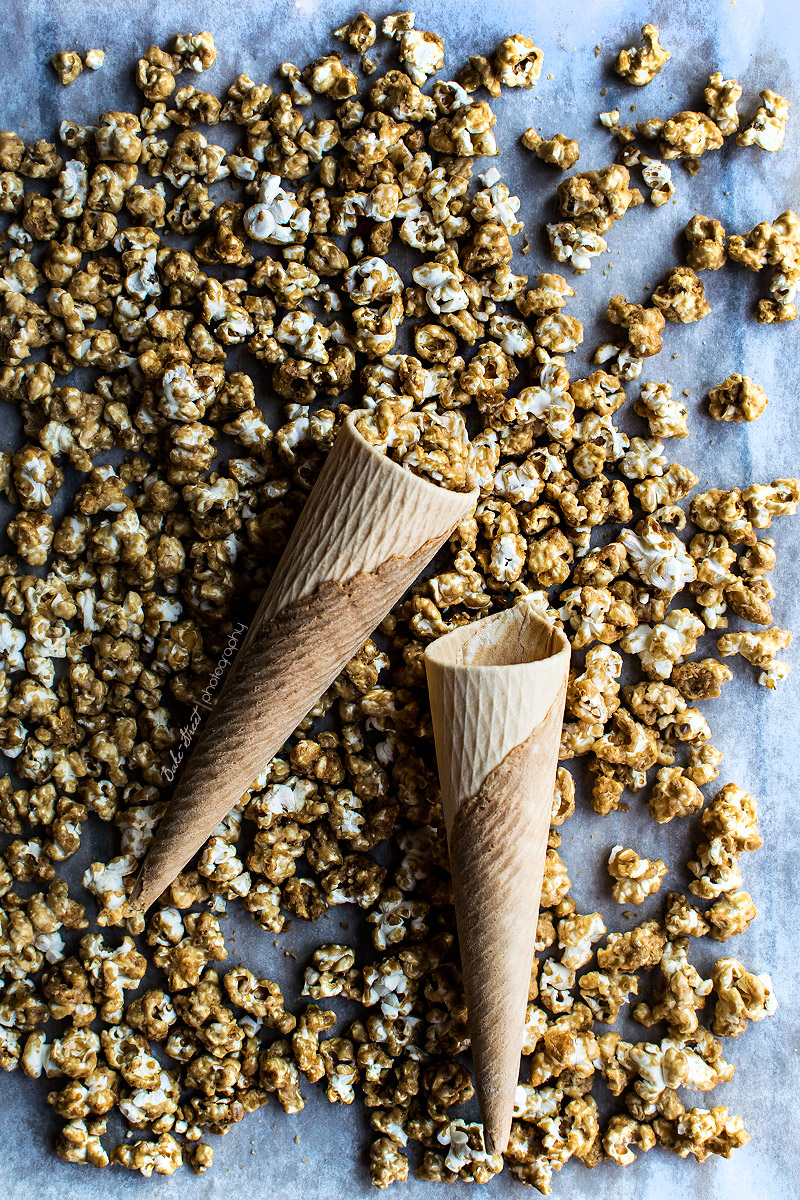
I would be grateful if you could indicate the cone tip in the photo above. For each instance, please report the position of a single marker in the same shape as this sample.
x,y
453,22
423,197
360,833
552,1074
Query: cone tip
x,y
497,1127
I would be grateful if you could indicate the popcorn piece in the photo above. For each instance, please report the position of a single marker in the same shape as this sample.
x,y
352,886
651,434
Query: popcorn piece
x,y
706,236
559,151
639,65
681,919
622,1132
636,877
665,416
568,243
687,135
518,62
682,296
701,1132
93,59
661,646
658,177
67,66
737,399
674,795
679,996
741,997
731,915
767,126
722,96
658,557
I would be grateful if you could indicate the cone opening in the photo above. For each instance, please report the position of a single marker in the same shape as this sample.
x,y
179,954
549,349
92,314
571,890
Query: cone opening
x,y
506,639
390,466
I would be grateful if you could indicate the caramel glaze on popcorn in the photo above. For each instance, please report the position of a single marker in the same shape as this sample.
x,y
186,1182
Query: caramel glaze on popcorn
x,y
115,612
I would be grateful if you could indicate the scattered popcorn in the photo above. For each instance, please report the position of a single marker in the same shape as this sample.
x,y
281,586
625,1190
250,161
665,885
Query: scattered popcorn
x,y
141,566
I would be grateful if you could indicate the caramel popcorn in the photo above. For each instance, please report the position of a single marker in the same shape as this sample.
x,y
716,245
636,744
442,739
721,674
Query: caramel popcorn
x,y
737,399
636,877
639,65
741,997
767,126
67,65
559,151
139,572
706,236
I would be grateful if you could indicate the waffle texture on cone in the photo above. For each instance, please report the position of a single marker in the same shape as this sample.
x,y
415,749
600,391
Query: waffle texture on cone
x,y
497,692
367,530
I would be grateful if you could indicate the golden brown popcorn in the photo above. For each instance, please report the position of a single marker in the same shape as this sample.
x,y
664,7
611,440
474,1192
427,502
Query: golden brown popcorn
x,y
680,994
765,501
682,919
636,878
706,237
67,66
643,325
730,915
639,947
606,993
518,62
639,65
767,127
621,1133
759,647
737,399
387,1163
724,511
674,795
741,997
701,680
665,416
687,135
682,296
576,245
594,200
701,1132
359,33
722,96
661,646
559,150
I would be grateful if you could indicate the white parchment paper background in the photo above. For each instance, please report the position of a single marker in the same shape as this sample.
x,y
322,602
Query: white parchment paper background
x,y
320,1153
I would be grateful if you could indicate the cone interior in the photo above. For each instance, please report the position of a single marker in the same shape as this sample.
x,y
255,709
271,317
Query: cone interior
x,y
497,698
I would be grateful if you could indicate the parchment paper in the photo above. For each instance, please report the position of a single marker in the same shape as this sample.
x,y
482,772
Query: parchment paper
x,y
760,45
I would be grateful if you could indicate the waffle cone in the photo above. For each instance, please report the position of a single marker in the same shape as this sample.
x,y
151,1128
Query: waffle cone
x,y
367,530
497,690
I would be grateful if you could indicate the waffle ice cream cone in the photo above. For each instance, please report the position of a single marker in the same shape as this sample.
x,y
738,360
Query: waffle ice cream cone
x,y
367,530
497,690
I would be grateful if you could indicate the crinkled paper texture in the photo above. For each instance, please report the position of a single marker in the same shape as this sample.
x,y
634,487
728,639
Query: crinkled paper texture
x,y
759,44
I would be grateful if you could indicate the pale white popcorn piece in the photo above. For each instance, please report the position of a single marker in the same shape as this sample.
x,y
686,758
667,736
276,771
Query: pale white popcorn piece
x,y
577,246
663,645
276,217
576,936
767,127
658,557
556,981
443,290
774,675
658,177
